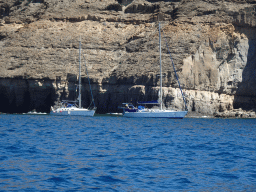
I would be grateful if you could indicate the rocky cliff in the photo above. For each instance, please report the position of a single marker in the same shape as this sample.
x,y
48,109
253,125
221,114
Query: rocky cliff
x,y
212,44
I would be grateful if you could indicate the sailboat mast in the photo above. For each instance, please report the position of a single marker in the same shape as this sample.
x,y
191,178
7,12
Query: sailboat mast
x,y
79,86
161,80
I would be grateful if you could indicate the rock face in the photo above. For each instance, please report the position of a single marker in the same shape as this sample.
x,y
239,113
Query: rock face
x,y
212,44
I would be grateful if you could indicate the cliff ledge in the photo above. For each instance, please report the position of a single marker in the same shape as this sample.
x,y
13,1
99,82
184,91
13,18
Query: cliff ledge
x,y
212,44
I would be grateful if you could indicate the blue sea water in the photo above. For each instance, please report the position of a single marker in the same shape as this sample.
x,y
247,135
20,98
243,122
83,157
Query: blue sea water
x,y
103,153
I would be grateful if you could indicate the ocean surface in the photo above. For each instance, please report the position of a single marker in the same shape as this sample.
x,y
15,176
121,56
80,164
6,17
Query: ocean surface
x,y
104,153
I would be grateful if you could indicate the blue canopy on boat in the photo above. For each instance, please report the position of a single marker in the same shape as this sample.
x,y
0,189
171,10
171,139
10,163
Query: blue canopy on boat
x,y
141,107
70,105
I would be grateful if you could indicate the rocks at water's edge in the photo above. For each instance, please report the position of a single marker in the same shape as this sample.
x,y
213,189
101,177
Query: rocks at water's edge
x,y
213,46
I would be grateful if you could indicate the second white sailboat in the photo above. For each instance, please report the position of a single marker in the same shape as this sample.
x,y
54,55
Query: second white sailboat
x,y
130,111
70,107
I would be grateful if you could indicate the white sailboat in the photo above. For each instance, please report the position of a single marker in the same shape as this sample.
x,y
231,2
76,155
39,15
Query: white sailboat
x,y
130,111
70,107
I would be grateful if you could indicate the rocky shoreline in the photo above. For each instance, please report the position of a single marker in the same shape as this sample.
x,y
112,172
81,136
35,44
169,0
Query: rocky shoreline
x,y
236,113
212,44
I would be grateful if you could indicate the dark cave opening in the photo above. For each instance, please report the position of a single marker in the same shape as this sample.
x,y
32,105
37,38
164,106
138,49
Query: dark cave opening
x,y
4,11
16,96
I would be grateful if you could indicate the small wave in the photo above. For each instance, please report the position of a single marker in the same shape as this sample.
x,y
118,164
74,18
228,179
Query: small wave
x,y
108,179
182,180
86,169
57,180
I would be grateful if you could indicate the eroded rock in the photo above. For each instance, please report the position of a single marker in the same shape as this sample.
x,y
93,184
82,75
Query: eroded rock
x,y
212,44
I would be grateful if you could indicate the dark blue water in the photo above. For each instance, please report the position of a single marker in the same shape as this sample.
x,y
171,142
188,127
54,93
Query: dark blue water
x,y
46,153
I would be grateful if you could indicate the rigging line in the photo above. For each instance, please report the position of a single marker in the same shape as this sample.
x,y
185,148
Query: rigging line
x,y
89,81
186,108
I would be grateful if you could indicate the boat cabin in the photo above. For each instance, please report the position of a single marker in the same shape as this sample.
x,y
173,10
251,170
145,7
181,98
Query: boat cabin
x,y
128,107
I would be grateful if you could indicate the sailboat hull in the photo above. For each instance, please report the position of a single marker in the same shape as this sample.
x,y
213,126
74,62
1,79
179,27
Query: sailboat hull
x,y
74,112
156,114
